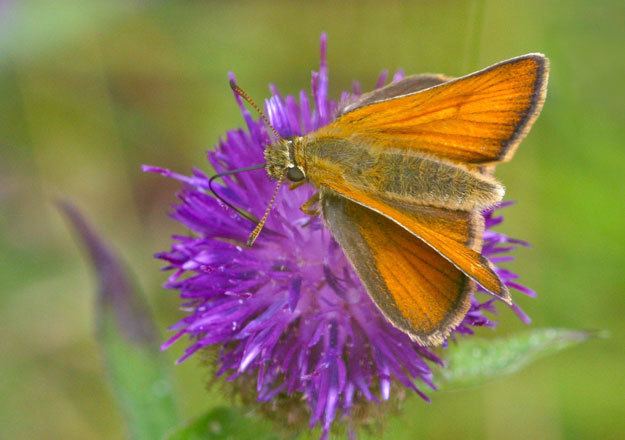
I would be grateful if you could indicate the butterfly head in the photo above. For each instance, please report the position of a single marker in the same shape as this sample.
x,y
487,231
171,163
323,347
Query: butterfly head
x,y
281,163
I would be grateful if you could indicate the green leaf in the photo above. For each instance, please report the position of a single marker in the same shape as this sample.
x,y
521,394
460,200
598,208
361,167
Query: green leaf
x,y
225,424
135,365
475,361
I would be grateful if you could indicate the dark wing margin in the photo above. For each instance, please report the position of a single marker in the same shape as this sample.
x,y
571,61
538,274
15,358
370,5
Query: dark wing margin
x,y
406,86
455,235
477,119
415,288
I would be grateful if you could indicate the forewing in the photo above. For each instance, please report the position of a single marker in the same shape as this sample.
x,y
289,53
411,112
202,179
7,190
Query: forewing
x,y
410,84
476,119
418,290
455,235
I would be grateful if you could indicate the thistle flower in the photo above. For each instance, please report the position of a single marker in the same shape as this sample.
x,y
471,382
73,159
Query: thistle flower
x,y
289,316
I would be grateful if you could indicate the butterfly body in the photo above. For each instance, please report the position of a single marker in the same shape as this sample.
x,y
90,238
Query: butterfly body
x,y
406,176
403,174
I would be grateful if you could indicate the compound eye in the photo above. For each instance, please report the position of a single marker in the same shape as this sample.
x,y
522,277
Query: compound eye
x,y
295,174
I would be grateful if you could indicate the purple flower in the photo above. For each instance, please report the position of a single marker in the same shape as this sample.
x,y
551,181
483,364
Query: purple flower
x,y
290,322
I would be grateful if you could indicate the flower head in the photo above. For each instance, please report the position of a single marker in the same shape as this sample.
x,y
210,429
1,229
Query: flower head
x,y
289,315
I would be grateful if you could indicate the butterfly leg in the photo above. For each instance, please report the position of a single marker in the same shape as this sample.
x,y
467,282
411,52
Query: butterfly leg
x,y
309,207
297,184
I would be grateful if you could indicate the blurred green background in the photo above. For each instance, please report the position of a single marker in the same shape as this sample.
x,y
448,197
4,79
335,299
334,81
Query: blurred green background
x,y
90,90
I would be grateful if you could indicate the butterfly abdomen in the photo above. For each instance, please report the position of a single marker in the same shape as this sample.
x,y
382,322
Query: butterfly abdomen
x,y
399,174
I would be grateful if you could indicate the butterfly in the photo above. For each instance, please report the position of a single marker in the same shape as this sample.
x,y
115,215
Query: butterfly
x,y
403,174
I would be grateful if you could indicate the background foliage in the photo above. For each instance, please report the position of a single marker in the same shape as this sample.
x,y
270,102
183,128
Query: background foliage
x,y
89,90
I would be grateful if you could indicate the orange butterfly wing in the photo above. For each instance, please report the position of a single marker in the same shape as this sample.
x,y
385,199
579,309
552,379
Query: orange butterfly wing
x,y
409,84
455,235
417,290
476,119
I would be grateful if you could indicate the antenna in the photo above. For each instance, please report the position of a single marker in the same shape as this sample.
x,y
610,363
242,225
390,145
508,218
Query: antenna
x,y
242,212
259,227
239,91
261,224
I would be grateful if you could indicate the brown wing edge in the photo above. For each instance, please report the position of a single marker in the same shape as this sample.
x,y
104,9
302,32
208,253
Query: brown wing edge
x,y
407,86
474,241
531,113
452,321
331,205
508,146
